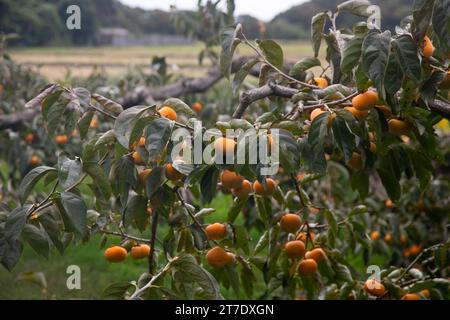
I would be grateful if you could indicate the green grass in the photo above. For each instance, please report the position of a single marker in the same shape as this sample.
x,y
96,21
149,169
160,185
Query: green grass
x,y
96,273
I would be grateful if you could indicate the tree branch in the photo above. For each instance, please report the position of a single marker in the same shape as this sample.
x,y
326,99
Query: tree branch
x,y
270,89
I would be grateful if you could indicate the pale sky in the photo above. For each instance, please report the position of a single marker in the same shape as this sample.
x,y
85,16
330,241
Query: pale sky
x,y
262,9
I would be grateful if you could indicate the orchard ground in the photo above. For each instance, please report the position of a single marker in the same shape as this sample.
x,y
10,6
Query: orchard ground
x,y
56,63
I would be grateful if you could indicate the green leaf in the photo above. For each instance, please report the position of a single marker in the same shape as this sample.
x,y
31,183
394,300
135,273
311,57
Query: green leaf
x,y
375,52
116,290
154,181
157,135
406,50
236,208
15,222
191,272
242,73
76,211
106,138
441,22
208,184
318,131
107,104
262,242
136,210
357,7
430,87
394,75
11,249
389,178
422,12
70,172
84,123
125,123
99,177
36,239
30,180
317,26
352,54
360,182
331,220
53,230
343,272
303,65
179,106
37,278
55,113
272,52
344,137
49,101
242,238
229,41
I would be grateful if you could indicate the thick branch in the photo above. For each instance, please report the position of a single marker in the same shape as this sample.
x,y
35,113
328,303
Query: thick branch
x,y
270,89
182,87
15,120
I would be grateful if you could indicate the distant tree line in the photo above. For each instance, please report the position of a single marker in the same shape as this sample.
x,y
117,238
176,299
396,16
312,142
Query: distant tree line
x,y
42,23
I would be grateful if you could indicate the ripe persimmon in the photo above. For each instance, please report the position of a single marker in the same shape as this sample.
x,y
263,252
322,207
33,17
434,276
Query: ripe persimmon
x,y
365,101
29,137
197,106
116,254
374,235
35,160
307,267
172,173
389,204
216,231
231,180
94,123
355,162
259,189
411,296
290,222
388,238
373,147
217,257
168,112
137,158
315,113
427,47
316,254
303,235
374,288
140,252
243,191
143,175
385,110
398,127
321,82
358,114
224,146
61,139
294,249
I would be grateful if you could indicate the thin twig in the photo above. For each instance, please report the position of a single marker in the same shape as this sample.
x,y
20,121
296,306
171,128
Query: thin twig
x,y
151,261
288,77
125,236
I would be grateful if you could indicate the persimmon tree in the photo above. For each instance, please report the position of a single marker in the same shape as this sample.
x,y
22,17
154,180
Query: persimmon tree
x,y
363,172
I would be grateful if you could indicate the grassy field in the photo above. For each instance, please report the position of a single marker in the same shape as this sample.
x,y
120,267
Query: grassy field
x,y
55,63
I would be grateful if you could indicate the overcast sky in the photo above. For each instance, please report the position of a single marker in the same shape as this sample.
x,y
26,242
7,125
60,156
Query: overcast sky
x,y
262,9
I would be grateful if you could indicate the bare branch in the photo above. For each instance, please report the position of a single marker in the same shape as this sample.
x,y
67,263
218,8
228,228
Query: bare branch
x,y
270,89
